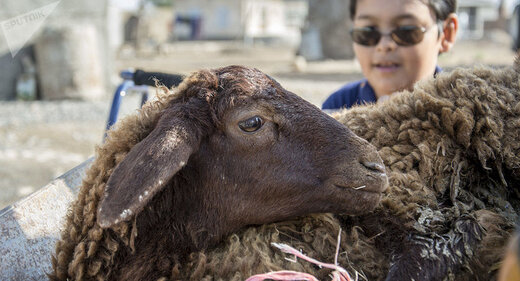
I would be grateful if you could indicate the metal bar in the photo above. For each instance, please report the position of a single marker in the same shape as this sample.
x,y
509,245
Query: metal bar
x,y
116,102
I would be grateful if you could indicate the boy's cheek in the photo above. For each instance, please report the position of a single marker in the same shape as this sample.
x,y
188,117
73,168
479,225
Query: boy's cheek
x,y
364,56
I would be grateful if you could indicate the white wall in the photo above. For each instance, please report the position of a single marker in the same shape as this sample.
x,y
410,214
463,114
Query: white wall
x,y
235,19
220,18
67,12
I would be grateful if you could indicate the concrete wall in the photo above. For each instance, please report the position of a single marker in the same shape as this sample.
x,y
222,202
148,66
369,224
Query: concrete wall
x,y
67,12
220,18
264,18
331,20
31,227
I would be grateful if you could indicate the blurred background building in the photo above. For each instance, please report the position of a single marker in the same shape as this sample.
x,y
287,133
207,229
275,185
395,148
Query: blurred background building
x,y
71,54
82,27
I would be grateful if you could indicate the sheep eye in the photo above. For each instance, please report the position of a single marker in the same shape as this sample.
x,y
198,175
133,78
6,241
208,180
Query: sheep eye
x,y
252,124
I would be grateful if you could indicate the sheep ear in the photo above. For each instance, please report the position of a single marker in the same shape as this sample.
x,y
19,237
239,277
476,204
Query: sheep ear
x,y
146,169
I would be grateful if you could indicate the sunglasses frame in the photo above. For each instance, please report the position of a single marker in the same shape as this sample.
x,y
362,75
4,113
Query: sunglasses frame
x,y
392,34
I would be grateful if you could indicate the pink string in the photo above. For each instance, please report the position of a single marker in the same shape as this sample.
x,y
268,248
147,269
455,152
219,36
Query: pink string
x,y
283,276
339,273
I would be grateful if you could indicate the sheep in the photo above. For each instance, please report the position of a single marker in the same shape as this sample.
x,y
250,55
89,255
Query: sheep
x,y
228,149
452,153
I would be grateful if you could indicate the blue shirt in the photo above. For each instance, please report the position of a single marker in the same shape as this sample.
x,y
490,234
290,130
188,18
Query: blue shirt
x,y
355,93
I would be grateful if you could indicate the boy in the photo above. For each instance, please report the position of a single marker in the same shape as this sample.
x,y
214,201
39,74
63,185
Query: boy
x,y
397,43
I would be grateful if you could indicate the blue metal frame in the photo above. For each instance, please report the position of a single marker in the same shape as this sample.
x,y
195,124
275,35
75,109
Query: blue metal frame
x,y
126,86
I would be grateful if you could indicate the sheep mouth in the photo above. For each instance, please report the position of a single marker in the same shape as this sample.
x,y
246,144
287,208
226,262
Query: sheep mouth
x,y
368,188
356,200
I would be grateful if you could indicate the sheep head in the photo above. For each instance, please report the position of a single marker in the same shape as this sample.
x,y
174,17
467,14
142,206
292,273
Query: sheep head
x,y
247,152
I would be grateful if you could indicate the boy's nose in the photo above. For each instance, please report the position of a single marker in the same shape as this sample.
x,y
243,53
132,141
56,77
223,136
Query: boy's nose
x,y
386,43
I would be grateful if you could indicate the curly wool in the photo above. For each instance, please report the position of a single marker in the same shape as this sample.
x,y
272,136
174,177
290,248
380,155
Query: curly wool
x,y
451,149
250,251
453,140
85,251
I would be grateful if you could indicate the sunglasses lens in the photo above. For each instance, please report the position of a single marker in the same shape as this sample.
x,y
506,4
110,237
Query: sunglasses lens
x,y
407,35
366,37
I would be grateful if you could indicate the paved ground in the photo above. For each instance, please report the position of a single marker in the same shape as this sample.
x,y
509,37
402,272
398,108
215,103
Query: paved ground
x,y
41,140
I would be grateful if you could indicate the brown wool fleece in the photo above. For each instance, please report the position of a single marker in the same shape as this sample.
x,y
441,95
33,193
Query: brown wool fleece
x,y
85,251
451,148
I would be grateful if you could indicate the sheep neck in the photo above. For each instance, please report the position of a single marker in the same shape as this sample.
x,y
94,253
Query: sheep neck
x,y
192,225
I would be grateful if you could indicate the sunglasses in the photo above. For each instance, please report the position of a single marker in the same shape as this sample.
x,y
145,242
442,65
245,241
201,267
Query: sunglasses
x,y
406,35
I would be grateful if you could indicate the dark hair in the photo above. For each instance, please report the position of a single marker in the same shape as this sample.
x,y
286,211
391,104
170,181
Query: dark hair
x,y
442,8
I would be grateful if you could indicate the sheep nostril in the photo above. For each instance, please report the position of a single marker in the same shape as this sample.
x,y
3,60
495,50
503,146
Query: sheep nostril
x,y
375,167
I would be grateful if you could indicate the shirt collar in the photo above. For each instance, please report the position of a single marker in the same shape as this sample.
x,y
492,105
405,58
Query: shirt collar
x,y
366,93
437,70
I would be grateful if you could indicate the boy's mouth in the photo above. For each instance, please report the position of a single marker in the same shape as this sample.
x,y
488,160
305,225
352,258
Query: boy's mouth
x,y
386,66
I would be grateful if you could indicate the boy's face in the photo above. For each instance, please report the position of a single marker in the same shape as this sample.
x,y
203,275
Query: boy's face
x,y
387,66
